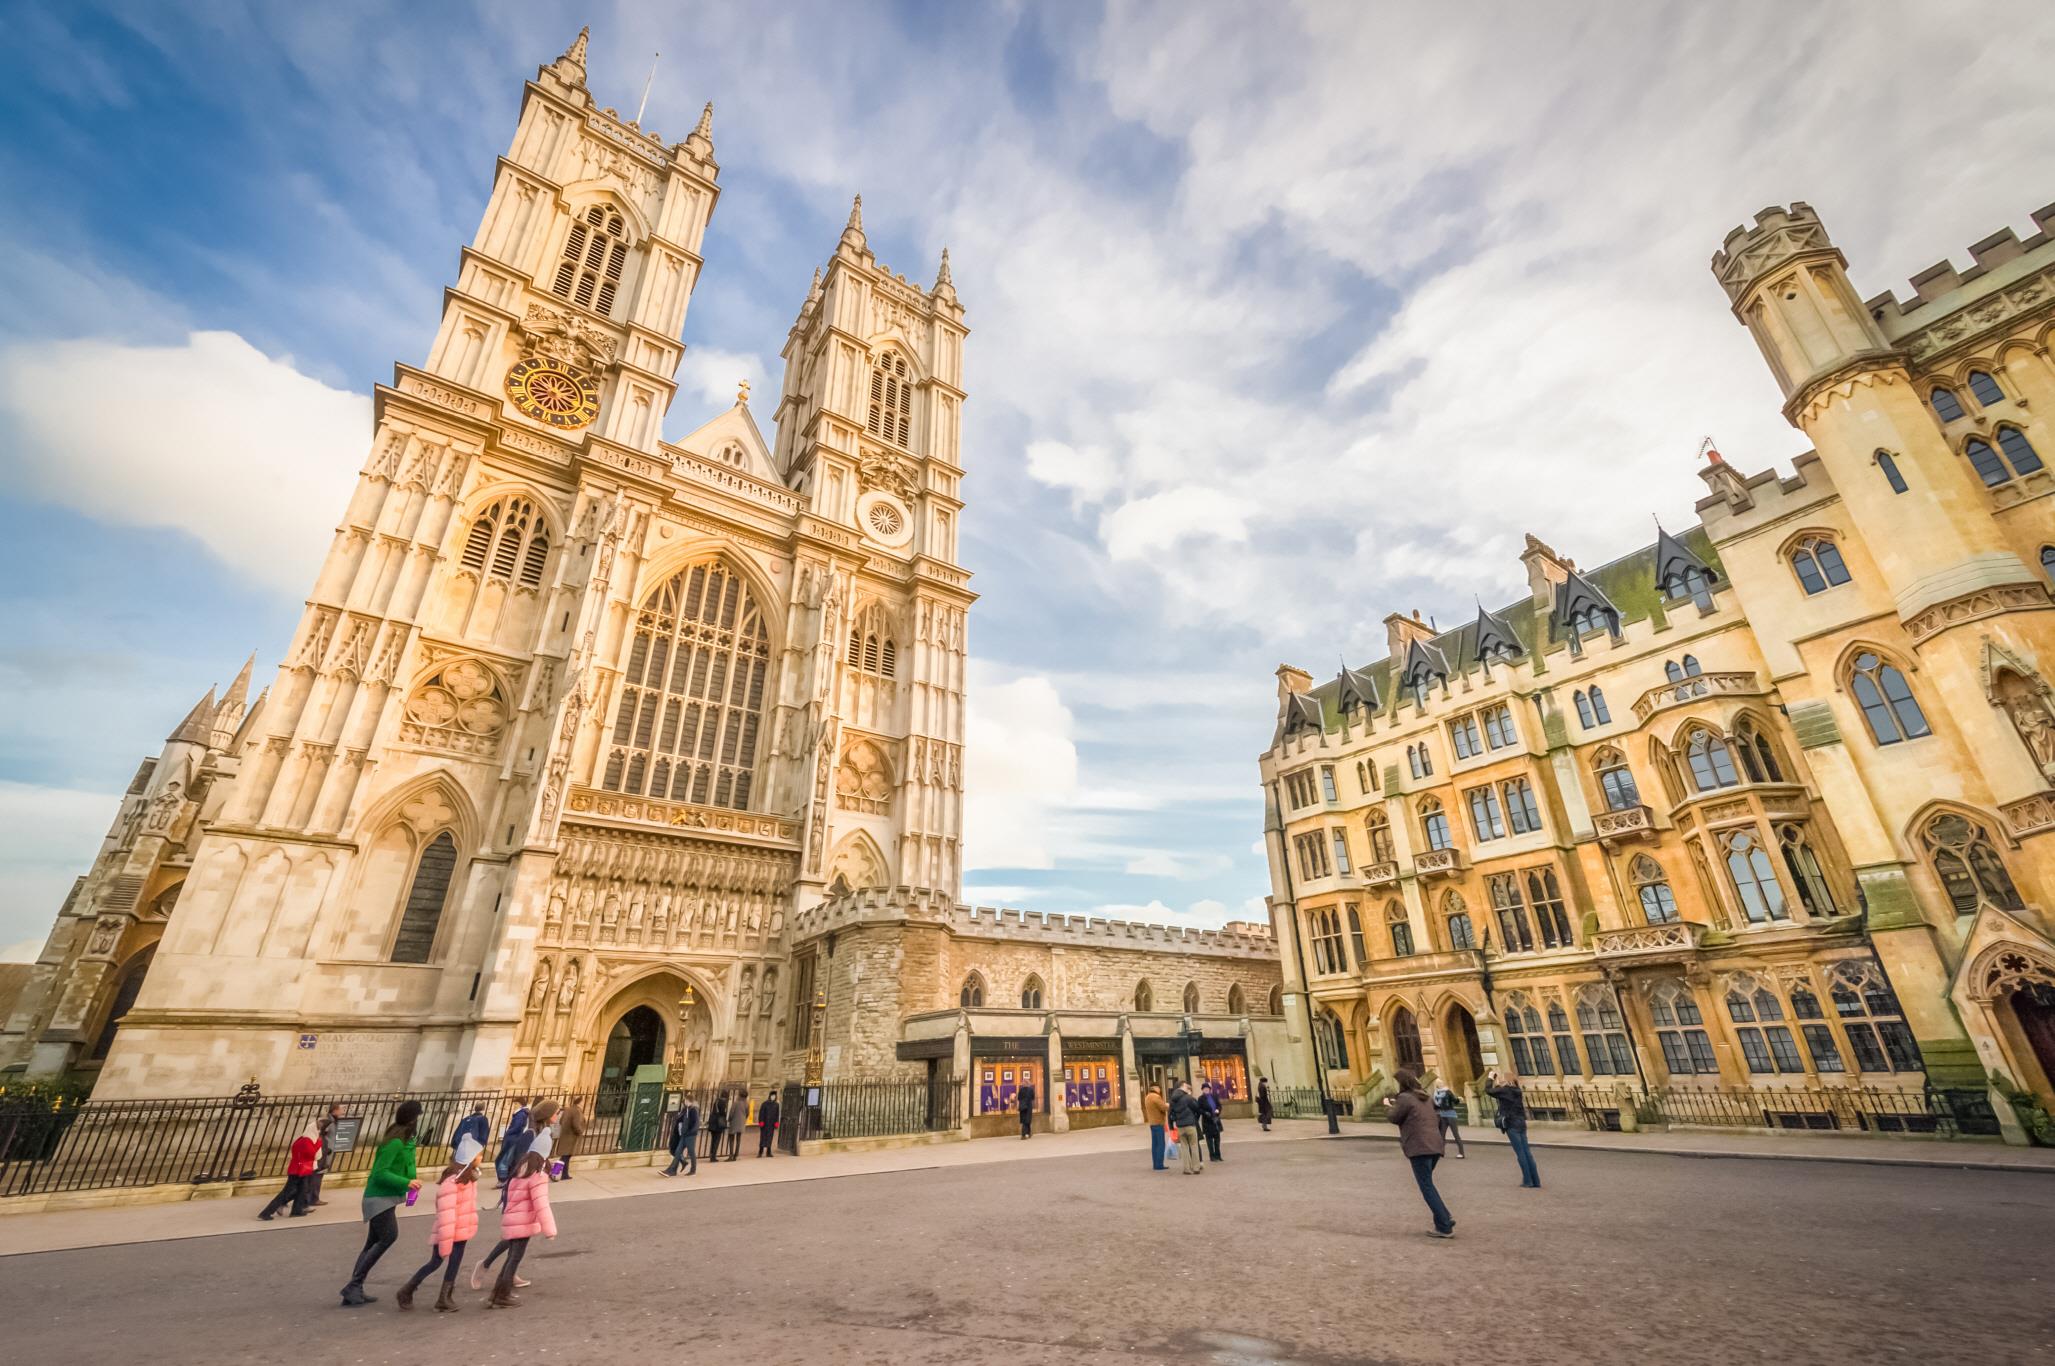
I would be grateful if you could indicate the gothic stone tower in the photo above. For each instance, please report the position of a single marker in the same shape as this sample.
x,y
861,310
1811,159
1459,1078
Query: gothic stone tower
x,y
1927,420
575,719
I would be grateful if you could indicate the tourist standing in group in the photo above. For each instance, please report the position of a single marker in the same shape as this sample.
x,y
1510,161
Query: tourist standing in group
x,y
456,1223
716,1125
738,1120
335,1112
527,1214
1420,1141
503,1162
1512,1118
1211,1120
1025,1099
1446,1114
299,1173
1265,1111
1184,1121
1156,1114
684,1139
766,1124
392,1177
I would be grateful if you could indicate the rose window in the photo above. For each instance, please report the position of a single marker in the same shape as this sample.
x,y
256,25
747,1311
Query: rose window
x,y
885,519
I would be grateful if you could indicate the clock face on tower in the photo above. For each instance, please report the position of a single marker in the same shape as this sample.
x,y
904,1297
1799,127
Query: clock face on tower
x,y
553,393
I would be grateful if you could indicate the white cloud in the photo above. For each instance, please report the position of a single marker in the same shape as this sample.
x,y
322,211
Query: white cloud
x,y
1081,472
707,378
48,836
1020,768
1182,866
211,437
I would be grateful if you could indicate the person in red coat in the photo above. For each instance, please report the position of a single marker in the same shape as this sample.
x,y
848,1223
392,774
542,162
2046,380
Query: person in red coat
x,y
299,1173
456,1223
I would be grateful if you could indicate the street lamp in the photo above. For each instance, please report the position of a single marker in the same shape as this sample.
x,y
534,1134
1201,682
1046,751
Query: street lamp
x,y
1191,1034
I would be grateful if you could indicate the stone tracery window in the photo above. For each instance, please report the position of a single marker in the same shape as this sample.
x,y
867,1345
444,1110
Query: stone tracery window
x,y
1871,1018
1356,936
1145,998
863,780
1455,916
1191,998
421,916
1405,1039
1807,873
1817,562
1711,761
973,994
1605,1036
871,647
1615,780
891,405
459,707
1758,756
1551,918
1031,994
1531,1057
692,692
508,540
1434,824
1515,931
1237,1000
1652,888
1767,1044
1968,863
594,256
1687,1048
1754,878
1377,827
1889,709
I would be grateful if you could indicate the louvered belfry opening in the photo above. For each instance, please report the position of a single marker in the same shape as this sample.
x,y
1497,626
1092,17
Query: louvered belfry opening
x,y
595,254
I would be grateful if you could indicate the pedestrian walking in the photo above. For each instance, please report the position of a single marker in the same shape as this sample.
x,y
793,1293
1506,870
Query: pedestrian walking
x,y
1265,1111
527,1214
456,1224
1512,1118
1184,1119
1156,1114
392,1177
766,1124
503,1162
570,1127
299,1173
1025,1099
314,1200
1211,1121
716,1125
1420,1141
540,1121
1446,1114
685,1140
738,1120
474,1125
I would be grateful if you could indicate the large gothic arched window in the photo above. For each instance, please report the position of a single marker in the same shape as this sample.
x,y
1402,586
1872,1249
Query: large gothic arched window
x,y
692,692
426,896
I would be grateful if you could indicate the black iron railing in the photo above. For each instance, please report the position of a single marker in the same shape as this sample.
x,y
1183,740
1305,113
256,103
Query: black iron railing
x,y
1858,1109
869,1109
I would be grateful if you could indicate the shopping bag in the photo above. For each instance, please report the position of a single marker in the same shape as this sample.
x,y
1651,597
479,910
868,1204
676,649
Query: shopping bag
x,y
1170,1150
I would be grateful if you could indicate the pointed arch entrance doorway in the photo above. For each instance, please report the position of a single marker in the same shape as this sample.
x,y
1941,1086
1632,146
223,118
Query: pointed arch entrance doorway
x,y
1462,1055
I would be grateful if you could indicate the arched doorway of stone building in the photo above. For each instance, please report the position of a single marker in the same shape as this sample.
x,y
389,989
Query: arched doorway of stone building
x,y
1405,1040
637,1039
1462,1055
2033,1006
123,998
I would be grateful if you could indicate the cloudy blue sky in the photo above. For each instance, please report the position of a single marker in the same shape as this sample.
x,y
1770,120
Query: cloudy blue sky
x,y
1284,319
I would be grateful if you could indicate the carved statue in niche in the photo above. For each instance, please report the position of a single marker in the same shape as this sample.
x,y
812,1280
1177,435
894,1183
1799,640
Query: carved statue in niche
x,y
553,918
2032,713
745,995
104,935
164,807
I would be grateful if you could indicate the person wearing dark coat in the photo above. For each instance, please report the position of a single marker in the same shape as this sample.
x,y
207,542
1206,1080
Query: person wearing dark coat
x,y
518,1144
1184,1118
1026,1101
716,1125
766,1124
738,1120
1265,1111
1420,1140
1210,1121
1512,1117
504,1160
685,1140
475,1125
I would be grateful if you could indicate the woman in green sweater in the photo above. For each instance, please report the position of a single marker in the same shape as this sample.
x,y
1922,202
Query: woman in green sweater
x,y
392,1177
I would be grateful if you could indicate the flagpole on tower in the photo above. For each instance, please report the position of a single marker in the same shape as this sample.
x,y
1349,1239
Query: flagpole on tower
x,y
653,59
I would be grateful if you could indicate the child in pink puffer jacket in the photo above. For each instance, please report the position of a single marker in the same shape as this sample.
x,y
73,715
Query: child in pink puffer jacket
x,y
527,1213
456,1222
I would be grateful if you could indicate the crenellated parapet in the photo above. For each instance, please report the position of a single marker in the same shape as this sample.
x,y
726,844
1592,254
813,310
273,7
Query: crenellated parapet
x,y
892,905
1780,234
2009,279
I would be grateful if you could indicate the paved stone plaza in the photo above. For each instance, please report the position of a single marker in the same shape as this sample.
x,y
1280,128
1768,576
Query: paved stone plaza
x,y
1306,1251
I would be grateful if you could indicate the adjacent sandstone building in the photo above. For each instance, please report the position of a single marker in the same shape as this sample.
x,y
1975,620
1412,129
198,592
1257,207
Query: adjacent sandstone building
x,y
591,750
1768,804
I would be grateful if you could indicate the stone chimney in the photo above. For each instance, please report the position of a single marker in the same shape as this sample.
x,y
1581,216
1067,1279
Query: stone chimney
x,y
1291,679
1545,569
1400,631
